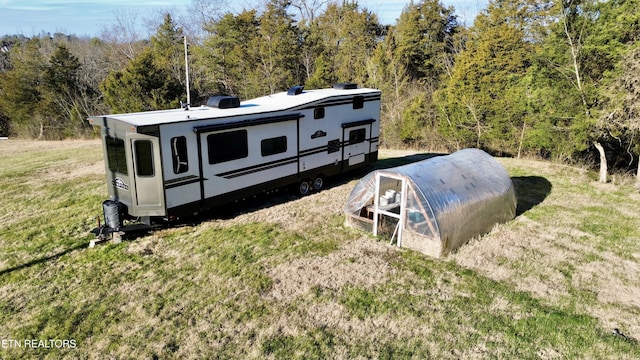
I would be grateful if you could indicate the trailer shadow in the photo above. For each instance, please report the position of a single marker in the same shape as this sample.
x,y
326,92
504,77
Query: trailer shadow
x,y
404,160
43,259
288,194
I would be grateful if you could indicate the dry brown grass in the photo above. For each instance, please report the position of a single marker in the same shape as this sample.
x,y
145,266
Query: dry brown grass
x,y
346,296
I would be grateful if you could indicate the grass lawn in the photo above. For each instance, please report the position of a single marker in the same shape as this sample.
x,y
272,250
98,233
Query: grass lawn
x,y
289,280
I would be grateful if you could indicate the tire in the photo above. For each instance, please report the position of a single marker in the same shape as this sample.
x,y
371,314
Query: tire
x,y
304,188
318,183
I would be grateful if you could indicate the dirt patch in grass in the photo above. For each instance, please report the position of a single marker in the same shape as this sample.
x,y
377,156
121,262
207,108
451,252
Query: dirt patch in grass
x,y
12,147
360,262
552,259
544,251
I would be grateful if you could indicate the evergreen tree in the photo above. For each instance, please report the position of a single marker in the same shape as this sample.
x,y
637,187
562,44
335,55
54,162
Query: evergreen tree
x,y
349,36
278,47
61,93
20,90
227,56
168,49
152,79
615,37
409,63
424,38
482,102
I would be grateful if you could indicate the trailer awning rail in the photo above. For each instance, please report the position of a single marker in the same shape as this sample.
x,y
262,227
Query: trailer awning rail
x,y
245,123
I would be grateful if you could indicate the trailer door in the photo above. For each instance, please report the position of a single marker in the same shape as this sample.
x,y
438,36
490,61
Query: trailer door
x,y
148,184
356,138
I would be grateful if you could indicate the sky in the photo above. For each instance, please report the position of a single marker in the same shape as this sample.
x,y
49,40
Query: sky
x,y
91,18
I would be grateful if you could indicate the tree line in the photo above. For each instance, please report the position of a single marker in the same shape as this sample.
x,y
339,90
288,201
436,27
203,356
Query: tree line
x,y
557,79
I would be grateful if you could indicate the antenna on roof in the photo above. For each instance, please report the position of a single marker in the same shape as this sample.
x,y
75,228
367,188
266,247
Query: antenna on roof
x,y
186,66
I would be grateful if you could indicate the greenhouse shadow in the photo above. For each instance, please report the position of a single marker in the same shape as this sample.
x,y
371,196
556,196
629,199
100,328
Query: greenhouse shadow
x,y
530,191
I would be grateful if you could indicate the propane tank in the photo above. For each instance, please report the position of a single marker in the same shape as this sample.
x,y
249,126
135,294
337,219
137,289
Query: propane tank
x,y
112,218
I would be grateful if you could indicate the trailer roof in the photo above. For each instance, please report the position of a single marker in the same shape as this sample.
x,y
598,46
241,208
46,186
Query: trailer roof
x,y
265,104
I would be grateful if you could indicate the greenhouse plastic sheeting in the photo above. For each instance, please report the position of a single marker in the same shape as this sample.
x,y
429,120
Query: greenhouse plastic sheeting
x,y
449,200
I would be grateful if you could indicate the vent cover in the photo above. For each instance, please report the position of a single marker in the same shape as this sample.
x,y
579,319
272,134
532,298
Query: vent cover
x,y
223,102
345,86
295,90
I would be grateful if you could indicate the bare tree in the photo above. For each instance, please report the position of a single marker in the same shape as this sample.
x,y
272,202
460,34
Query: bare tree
x,y
623,114
124,38
309,8
575,42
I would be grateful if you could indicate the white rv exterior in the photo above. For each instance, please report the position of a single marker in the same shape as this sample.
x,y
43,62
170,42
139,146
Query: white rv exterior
x,y
177,162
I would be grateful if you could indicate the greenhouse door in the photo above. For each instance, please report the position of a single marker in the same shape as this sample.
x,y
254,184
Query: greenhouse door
x,y
390,200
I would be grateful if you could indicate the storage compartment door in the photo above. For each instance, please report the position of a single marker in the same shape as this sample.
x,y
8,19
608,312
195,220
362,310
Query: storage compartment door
x,y
147,174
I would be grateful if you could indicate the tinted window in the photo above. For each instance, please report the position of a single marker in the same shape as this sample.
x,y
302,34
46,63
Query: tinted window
x,y
179,154
318,113
144,157
227,146
273,146
116,157
357,136
333,146
358,102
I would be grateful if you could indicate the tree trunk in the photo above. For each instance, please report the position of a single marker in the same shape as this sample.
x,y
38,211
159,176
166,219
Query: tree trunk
x,y
603,162
524,125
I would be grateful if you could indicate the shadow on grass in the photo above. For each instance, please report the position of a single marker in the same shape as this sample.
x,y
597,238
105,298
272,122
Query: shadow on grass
x,y
399,161
44,259
530,191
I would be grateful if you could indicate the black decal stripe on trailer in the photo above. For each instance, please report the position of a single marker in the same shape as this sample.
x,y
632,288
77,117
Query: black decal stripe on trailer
x,y
219,200
346,142
313,151
274,164
181,181
246,123
257,168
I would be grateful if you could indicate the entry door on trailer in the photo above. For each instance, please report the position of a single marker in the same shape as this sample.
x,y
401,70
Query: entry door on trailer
x,y
356,138
148,199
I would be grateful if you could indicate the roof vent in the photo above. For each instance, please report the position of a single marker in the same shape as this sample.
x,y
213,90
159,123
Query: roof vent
x,y
295,90
223,102
345,86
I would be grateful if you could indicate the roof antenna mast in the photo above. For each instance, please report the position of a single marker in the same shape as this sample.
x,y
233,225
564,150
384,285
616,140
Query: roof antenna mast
x,y
186,66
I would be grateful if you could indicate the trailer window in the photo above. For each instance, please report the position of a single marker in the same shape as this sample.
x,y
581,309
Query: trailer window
x,y
273,146
144,157
116,157
357,136
227,146
318,113
179,154
358,102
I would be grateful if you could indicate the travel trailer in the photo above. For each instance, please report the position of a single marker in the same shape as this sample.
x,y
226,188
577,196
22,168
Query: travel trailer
x,y
168,164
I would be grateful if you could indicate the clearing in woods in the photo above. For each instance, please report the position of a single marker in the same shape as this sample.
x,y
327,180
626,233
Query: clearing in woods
x,y
283,277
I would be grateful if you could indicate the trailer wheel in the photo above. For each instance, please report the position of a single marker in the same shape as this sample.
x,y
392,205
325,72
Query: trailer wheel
x,y
304,188
318,183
